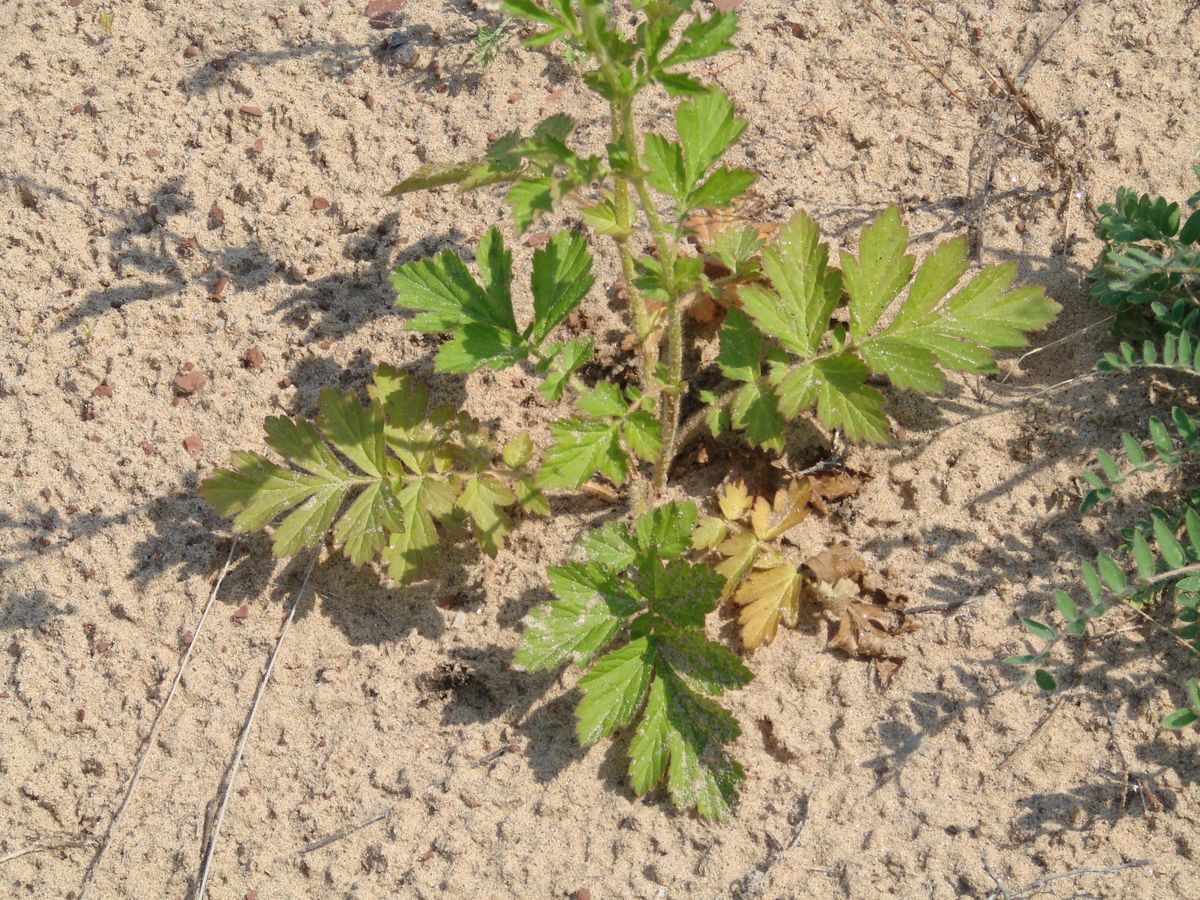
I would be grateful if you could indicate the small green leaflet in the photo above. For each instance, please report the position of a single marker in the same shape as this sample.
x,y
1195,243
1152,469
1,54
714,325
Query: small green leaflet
x,y
661,678
583,447
806,289
480,317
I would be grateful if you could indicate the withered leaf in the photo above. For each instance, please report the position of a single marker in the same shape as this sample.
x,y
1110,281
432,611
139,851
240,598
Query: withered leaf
x,y
830,487
834,564
790,508
886,668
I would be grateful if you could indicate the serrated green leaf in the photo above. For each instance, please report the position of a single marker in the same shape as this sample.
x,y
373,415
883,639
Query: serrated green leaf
x,y
602,218
611,545
936,277
680,593
664,166
562,276
442,290
434,175
707,127
703,665
907,365
528,198
482,498
364,530
875,278
421,500
602,401
837,385
518,451
755,410
679,85
613,690
301,444
307,525
355,431
805,292
565,361
666,531
475,346
702,38
741,347
592,607
643,435
699,774
529,498
580,450
721,187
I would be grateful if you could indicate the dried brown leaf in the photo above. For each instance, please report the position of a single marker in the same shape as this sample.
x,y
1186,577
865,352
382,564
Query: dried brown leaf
x,y
832,565
765,598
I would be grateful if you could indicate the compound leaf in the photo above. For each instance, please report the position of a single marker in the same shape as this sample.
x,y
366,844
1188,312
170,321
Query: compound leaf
x,y
707,127
581,449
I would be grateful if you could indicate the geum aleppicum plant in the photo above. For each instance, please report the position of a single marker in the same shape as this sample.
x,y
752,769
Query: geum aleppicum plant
x,y
799,335
635,583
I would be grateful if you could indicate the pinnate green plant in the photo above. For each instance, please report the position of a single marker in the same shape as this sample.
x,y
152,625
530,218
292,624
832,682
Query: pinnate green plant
x,y
800,337
1150,263
402,467
634,587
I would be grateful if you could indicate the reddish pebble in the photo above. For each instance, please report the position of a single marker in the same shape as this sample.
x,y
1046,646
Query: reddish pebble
x,y
253,359
250,895
285,383
218,289
152,153
88,412
185,639
324,345
311,270
250,110
190,381
514,97
241,613
74,3
102,390
537,239
191,51
148,447
582,894
79,715
368,101
216,215
258,146
319,203
245,792
193,445
47,493
219,63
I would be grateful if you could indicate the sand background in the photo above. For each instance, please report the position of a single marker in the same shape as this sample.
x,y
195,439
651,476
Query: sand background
x,y
133,180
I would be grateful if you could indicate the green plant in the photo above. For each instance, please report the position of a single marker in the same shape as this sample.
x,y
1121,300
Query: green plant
x,y
799,336
1147,264
635,582
411,469
1150,261
490,41
105,18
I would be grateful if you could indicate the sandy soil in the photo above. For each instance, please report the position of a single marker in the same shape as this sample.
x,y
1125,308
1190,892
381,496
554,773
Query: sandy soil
x,y
137,173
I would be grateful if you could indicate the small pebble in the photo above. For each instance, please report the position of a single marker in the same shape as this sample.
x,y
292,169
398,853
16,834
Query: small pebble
x,y
250,110
148,448
253,359
191,51
193,444
190,381
319,203
102,390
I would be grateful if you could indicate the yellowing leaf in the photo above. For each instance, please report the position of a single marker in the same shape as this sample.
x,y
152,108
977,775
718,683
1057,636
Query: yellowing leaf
x,y
765,598
790,509
734,500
